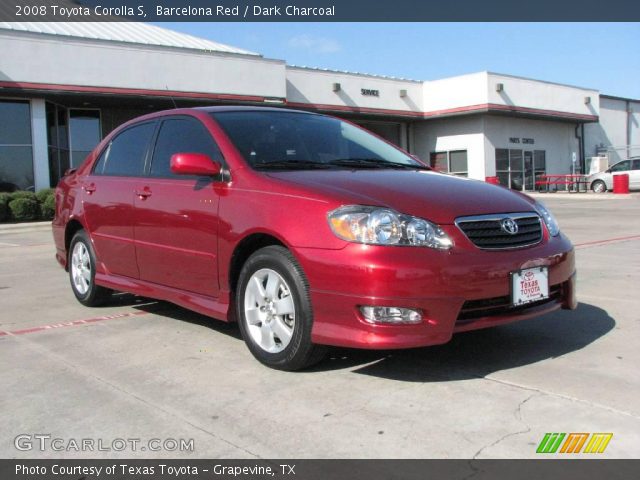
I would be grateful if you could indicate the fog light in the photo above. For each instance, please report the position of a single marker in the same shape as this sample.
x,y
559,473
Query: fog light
x,y
391,315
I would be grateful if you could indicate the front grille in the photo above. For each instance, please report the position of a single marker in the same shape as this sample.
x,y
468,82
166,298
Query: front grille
x,y
486,231
473,309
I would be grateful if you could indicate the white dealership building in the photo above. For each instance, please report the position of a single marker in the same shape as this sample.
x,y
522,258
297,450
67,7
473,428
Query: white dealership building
x,y
64,86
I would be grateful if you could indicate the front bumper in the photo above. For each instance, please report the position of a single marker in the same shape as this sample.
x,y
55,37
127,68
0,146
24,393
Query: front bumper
x,y
457,290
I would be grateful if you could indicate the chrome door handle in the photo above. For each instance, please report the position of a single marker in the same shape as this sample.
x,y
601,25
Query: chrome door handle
x,y
144,193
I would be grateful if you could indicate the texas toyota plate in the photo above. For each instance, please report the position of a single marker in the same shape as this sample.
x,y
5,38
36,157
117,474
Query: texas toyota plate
x,y
529,285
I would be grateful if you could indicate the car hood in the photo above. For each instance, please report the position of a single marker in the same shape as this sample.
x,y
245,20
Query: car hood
x,y
438,197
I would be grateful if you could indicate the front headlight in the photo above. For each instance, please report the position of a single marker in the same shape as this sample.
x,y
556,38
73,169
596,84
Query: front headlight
x,y
383,226
549,220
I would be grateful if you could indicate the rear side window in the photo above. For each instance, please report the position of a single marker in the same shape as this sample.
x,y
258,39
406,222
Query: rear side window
x,y
124,156
181,135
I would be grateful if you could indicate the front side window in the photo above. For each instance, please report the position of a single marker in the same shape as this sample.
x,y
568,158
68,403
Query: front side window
x,y
181,135
622,166
290,140
125,154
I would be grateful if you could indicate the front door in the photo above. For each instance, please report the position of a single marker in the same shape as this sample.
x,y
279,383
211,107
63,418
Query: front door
x,y
177,216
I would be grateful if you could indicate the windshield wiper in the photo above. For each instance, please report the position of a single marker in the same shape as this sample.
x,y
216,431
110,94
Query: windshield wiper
x,y
374,163
290,165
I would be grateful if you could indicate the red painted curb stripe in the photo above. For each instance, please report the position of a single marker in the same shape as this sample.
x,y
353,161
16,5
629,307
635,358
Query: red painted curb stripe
x,y
74,323
607,241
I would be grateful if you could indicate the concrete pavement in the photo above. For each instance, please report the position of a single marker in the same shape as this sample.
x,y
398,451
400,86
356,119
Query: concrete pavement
x,y
143,369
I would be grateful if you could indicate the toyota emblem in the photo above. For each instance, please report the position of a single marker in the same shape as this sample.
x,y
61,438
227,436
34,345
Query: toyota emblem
x,y
509,225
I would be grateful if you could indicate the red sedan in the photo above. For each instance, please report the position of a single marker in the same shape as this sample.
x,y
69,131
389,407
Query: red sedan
x,y
305,229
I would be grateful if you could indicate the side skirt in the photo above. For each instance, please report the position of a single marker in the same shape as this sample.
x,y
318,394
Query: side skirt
x,y
217,308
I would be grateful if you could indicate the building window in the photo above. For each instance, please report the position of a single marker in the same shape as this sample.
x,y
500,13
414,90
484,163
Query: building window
x,y
520,169
539,164
454,162
16,150
84,133
71,134
58,142
389,131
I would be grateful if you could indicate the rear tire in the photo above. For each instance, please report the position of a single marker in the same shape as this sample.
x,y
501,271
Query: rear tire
x,y
599,186
274,310
82,272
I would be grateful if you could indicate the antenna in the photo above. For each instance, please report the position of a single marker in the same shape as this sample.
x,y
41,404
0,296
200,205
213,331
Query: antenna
x,y
174,102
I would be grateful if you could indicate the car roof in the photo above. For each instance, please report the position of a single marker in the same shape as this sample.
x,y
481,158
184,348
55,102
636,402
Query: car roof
x,y
249,108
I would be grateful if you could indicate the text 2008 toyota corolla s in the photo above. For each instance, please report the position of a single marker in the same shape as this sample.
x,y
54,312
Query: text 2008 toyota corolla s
x,y
305,229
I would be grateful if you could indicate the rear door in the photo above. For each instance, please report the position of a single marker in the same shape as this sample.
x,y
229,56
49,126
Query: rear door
x,y
107,194
176,222
634,174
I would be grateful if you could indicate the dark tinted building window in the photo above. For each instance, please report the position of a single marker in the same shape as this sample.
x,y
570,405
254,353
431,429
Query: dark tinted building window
x,y
181,135
439,161
84,130
124,156
16,154
458,162
454,162
57,141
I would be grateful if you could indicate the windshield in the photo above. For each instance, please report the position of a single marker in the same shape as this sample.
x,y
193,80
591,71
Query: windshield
x,y
289,140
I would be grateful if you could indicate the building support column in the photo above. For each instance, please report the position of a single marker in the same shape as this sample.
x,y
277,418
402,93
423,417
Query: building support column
x,y
39,143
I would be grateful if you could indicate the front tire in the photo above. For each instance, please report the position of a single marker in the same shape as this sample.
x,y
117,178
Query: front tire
x,y
274,310
82,272
599,186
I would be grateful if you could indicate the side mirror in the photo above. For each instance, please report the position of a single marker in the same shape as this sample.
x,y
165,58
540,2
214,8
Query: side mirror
x,y
194,164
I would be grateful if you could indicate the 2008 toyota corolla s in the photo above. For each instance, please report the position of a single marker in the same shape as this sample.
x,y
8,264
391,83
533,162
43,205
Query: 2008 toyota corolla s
x,y
307,230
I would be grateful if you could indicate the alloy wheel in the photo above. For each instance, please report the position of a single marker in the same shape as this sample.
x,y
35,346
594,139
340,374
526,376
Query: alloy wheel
x,y
81,268
269,310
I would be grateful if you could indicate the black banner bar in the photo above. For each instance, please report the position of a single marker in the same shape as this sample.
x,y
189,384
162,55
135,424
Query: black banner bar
x,y
318,469
318,10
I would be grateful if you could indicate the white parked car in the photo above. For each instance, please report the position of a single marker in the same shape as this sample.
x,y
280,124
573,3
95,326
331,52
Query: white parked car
x,y
603,181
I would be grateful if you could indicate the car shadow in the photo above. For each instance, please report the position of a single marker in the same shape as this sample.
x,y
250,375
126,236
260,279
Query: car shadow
x,y
468,355
480,353
170,310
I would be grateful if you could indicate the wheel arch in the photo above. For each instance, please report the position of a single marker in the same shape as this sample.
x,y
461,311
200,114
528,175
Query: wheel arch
x,y
244,249
73,226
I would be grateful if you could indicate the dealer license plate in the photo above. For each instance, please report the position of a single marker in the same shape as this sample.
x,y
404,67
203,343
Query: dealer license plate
x,y
529,285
